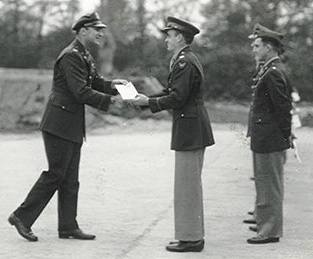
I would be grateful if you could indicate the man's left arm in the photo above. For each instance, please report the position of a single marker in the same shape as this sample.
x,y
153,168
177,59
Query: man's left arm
x,y
279,92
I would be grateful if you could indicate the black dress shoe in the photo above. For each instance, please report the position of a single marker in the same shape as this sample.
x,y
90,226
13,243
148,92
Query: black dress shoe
x,y
254,229
249,221
185,246
24,231
262,240
76,234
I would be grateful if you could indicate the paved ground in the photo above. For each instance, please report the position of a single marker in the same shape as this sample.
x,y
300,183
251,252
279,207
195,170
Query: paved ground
x,y
126,197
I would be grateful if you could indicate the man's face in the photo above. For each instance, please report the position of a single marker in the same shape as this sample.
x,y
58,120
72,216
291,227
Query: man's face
x,y
259,49
172,40
94,34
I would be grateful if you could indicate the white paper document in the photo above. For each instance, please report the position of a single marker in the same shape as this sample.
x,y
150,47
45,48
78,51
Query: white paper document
x,y
127,91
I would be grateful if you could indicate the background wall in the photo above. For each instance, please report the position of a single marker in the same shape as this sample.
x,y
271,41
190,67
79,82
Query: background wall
x,y
24,94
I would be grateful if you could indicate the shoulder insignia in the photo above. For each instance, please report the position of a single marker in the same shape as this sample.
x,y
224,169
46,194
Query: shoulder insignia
x,y
75,50
182,65
274,67
181,56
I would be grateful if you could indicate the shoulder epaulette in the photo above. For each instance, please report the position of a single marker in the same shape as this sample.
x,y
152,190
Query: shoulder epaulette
x,y
182,60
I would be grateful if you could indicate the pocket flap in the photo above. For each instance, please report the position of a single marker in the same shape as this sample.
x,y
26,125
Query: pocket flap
x,y
263,119
187,112
65,106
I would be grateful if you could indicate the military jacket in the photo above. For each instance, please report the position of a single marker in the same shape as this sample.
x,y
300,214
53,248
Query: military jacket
x,y
270,112
184,96
75,83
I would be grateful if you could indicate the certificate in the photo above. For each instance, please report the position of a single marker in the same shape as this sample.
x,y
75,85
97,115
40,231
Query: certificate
x,y
127,91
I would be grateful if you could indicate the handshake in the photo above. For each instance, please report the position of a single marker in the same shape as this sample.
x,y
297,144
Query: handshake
x,y
128,93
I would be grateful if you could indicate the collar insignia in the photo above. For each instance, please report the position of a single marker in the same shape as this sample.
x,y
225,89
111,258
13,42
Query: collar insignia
x,y
182,64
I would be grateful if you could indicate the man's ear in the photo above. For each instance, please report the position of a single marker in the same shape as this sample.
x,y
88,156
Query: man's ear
x,y
180,37
83,30
269,46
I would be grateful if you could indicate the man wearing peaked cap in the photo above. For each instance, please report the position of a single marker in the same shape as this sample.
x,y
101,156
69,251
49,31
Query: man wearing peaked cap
x,y
270,133
261,31
180,25
191,133
76,83
89,20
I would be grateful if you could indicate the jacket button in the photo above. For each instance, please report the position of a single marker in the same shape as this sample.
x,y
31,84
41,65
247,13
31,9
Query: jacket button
x,y
182,115
63,107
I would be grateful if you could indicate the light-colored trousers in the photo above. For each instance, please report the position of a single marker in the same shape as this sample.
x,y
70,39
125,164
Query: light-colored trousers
x,y
269,183
188,200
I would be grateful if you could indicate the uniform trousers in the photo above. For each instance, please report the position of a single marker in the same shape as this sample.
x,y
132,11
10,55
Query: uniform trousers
x,y
269,183
188,200
63,160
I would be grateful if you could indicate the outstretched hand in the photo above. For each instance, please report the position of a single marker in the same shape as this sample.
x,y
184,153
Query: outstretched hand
x,y
118,82
117,100
140,100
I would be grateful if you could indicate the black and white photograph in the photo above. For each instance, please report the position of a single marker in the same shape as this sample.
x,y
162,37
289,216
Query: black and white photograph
x,y
156,129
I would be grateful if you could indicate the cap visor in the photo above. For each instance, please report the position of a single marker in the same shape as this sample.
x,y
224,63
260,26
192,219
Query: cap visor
x,y
166,29
99,25
252,36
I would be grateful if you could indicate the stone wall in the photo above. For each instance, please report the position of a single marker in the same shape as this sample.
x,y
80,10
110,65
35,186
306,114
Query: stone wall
x,y
24,93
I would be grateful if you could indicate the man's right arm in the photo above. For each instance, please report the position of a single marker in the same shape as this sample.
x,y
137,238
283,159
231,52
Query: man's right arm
x,y
75,72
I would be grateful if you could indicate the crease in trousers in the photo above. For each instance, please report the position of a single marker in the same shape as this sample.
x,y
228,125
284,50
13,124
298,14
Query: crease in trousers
x,y
63,160
188,197
269,183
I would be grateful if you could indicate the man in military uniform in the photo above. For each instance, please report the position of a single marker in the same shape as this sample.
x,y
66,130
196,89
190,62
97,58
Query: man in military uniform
x,y
75,83
270,132
191,133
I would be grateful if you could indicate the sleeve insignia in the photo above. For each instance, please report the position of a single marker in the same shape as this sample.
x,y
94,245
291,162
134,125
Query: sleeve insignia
x,y
182,65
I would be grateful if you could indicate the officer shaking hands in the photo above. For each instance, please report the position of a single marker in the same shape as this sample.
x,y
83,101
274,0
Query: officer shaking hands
x,y
76,83
191,133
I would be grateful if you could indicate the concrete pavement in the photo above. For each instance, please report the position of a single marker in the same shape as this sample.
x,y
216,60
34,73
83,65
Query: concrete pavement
x,y
126,197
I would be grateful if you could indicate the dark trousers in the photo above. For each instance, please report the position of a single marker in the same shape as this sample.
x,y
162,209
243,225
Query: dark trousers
x,y
269,183
63,160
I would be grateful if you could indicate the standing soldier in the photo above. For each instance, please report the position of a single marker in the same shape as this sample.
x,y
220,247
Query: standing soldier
x,y
270,132
191,133
75,83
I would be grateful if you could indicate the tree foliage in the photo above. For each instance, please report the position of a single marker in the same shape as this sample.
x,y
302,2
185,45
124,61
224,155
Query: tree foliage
x,y
227,26
33,32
